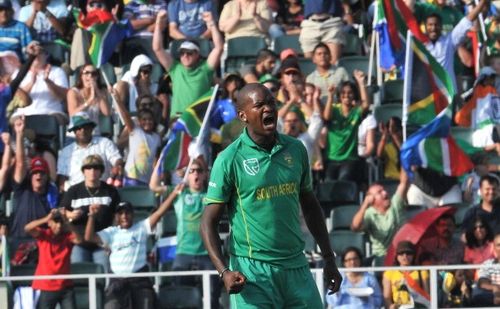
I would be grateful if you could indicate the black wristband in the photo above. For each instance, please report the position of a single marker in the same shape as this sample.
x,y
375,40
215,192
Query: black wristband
x,y
221,274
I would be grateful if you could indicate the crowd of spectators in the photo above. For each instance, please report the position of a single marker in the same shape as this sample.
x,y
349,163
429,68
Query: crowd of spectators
x,y
64,194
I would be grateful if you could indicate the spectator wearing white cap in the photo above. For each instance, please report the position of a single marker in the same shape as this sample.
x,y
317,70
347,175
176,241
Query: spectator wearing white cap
x,y
191,76
72,156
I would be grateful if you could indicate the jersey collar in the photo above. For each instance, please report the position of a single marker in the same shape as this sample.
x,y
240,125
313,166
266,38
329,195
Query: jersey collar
x,y
245,138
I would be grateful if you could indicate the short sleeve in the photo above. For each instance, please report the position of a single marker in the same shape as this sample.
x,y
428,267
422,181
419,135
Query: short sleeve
x,y
59,78
306,180
220,184
62,162
106,235
173,12
112,152
146,225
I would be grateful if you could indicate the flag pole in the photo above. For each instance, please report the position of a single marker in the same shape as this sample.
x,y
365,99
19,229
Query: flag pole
x,y
407,81
204,124
113,99
372,49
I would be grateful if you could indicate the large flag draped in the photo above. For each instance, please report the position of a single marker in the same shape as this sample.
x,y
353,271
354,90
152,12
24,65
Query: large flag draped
x,y
433,147
431,88
175,153
106,33
392,20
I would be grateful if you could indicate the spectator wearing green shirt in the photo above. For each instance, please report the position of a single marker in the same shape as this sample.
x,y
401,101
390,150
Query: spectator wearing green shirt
x,y
262,178
192,76
381,217
342,121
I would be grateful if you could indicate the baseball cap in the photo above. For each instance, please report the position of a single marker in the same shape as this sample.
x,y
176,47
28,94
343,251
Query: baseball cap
x,y
189,45
286,53
93,161
38,164
5,4
125,206
79,120
289,65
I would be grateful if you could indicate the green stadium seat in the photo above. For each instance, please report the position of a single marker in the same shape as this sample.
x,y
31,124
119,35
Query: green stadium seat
x,y
22,270
287,41
109,70
306,66
342,239
393,92
106,126
341,216
81,286
351,63
138,196
411,211
169,224
332,193
310,242
182,297
241,49
57,52
47,128
384,112
353,45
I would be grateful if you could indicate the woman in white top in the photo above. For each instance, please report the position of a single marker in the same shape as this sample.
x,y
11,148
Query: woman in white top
x,y
89,95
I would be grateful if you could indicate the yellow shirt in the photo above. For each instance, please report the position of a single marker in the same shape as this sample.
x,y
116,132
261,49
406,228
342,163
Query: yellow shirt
x,y
400,295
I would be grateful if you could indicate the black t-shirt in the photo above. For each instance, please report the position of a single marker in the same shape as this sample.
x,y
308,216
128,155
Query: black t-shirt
x,y
492,218
433,183
81,197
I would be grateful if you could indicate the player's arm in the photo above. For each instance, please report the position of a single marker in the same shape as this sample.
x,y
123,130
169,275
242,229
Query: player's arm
x,y
90,234
315,220
234,281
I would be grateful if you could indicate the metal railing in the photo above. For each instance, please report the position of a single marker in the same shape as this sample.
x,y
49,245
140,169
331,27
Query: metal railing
x,y
205,274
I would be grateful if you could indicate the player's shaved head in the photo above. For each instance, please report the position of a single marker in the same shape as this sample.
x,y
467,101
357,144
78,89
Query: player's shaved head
x,y
246,93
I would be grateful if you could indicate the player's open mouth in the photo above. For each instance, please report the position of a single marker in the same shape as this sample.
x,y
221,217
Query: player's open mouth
x,y
268,121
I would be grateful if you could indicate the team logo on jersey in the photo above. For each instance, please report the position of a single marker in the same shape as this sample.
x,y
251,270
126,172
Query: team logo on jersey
x,y
288,158
251,166
188,199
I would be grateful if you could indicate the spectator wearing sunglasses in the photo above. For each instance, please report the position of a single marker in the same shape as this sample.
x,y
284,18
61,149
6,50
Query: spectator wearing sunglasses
x,y
191,75
136,82
45,19
89,95
91,191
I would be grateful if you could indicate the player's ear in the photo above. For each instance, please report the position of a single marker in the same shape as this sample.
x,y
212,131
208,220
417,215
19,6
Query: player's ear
x,y
242,116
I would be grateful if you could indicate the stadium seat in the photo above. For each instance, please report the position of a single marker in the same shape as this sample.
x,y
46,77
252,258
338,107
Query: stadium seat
x,y
135,46
287,41
138,196
46,127
205,47
384,112
22,270
306,66
389,185
411,211
109,70
335,193
351,63
341,239
81,286
459,215
164,280
106,126
58,52
180,297
141,214
353,45
241,49
169,224
393,92
341,217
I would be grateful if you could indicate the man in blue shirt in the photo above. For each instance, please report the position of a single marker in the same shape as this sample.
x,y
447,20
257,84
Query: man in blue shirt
x,y
14,35
185,19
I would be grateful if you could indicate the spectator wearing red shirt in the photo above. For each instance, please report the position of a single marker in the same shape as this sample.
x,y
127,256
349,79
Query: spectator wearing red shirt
x,y
54,247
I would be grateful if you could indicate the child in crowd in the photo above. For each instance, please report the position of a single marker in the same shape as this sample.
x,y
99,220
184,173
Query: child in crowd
x,y
143,146
54,245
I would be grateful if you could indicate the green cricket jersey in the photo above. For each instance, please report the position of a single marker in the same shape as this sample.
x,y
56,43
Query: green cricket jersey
x,y
343,134
261,190
188,210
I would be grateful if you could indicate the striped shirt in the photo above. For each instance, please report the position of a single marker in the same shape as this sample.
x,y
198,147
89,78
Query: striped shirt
x,y
136,10
128,246
491,273
15,37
